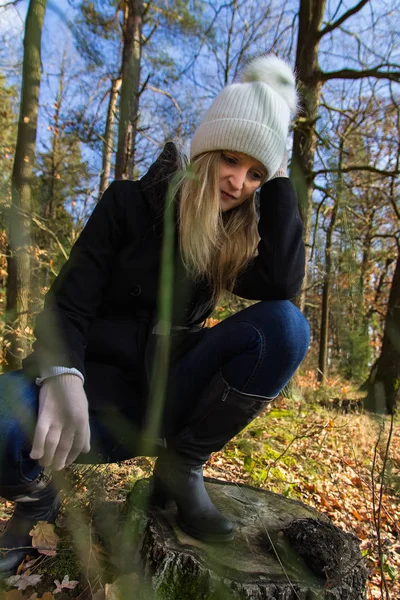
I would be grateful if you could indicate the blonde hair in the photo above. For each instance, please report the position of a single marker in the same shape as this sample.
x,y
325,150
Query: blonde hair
x,y
214,245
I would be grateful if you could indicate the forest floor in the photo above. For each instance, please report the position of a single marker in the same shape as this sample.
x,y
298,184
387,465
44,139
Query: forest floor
x,y
307,448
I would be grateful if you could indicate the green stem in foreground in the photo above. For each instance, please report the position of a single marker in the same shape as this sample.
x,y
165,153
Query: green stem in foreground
x,y
160,366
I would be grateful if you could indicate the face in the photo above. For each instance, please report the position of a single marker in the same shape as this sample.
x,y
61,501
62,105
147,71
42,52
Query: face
x,y
239,177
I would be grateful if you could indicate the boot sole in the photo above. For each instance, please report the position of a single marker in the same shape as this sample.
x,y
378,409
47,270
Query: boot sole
x,y
205,537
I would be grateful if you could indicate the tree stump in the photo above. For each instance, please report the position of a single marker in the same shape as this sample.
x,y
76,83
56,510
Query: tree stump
x,y
282,550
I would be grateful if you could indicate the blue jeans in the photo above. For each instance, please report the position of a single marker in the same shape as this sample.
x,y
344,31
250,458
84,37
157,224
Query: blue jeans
x,y
256,351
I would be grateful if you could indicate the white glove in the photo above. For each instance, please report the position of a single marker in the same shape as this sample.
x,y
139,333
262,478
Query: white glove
x,y
62,431
282,171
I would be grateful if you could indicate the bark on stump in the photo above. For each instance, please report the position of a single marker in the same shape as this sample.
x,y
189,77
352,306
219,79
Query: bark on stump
x,y
283,550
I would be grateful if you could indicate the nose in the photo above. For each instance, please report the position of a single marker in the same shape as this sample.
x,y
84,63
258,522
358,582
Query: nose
x,y
237,179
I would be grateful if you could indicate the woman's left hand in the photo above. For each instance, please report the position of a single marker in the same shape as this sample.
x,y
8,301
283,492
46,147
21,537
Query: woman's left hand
x,y
282,171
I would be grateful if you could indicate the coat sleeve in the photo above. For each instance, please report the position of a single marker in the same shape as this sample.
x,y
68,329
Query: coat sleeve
x,y
74,298
277,272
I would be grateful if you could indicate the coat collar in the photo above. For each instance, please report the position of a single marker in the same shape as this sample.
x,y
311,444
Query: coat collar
x,y
154,184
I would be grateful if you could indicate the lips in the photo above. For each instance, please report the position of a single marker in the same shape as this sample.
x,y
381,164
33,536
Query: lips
x,y
228,195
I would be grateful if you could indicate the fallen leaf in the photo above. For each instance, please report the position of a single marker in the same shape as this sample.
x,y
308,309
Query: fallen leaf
x,y
111,591
99,549
325,502
65,584
21,582
357,481
120,587
44,538
356,514
30,563
11,595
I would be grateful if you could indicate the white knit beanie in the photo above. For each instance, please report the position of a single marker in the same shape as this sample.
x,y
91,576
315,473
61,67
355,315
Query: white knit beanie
x,y
252,116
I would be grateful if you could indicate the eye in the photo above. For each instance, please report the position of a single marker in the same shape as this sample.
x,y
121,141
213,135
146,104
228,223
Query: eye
x,y
257,175
229,159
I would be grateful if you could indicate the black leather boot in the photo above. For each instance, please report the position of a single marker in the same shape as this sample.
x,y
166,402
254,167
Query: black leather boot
x,y
35,501
176,479
220,414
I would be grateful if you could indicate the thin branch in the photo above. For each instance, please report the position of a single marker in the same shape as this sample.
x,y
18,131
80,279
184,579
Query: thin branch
x,y
140,92
145,40
51,233
342,19
379,519
358,168
354,74
13,3
164,93
320,205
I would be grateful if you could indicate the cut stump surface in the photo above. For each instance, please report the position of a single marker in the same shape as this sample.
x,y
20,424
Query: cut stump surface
x,y
282,550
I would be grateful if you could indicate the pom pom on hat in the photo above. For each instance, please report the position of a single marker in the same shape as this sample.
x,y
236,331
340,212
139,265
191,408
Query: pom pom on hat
x,y
276,73
253,115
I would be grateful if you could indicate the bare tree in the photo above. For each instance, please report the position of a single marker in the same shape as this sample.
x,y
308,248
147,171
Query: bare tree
x,y
311,32
383,382
130,73
108,142
18,284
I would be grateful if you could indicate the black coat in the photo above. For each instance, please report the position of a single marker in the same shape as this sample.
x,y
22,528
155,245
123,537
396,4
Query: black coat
x,y
100,309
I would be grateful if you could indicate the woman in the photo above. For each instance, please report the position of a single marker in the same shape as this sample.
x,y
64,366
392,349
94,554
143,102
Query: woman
x,y
82,395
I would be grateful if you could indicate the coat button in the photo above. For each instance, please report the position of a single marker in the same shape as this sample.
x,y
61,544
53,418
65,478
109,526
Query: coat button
x,y
136,290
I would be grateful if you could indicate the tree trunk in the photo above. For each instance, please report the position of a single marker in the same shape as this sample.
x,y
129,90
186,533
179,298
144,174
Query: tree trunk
x,y
311,13
326,291
109,136
128,107
282,550
384,387
18,283
50,207
327,286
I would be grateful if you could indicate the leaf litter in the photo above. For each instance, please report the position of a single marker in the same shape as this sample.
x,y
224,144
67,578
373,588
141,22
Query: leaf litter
x,y
306,452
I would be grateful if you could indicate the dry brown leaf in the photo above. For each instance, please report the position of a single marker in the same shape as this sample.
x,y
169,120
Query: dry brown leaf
x,y
357,481
335,503
356,514
325,502
11,595
44,538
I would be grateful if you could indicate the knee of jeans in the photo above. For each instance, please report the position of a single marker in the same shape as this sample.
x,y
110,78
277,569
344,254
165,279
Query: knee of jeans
x,y
18,409
287,329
